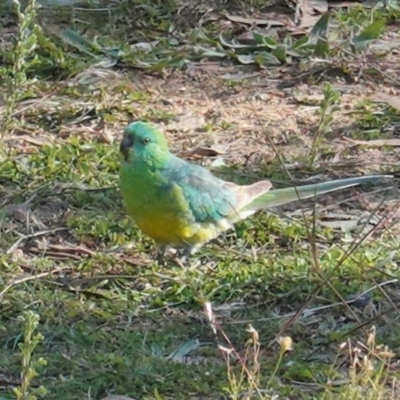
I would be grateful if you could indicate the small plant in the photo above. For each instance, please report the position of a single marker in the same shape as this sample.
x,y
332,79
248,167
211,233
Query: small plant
x,y
24,46
30,322
285,345
327,108
368,364
246,382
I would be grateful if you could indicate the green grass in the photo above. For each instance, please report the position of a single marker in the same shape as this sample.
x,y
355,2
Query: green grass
x,y
110,320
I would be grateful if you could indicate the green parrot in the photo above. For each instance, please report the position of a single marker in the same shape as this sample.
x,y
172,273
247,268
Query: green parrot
x,y
182,205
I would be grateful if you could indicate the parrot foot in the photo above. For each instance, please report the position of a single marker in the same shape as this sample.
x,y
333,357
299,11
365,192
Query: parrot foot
x,y
180,262
180,258
161,250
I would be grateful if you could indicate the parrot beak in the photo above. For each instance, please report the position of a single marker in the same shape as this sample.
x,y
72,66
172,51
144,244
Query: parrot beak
x,y
126,145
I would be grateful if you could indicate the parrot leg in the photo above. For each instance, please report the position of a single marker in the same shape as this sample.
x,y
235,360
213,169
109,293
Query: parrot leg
x,y
182,256
180,262
161,250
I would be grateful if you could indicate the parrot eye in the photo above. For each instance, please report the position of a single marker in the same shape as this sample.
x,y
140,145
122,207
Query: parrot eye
x,y
146,140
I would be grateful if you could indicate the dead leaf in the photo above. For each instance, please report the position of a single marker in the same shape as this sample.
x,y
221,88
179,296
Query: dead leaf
x,y
212,151
348,221
393,101
370,3
105,136
117,397
310,11
34,140
57,3
343,4
374,143
186,122
308,21
17,255
253,21
319,5
200,152
20,211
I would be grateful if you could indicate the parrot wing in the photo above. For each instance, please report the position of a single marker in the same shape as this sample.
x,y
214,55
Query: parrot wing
x,y
208,197
212,199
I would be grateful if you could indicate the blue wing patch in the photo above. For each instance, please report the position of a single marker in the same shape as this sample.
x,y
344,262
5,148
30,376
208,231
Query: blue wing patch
x,y
208,198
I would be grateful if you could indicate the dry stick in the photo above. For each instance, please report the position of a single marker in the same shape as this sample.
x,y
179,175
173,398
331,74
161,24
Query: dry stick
x,y
328,207
315,259
85,189
216,328
325,281
33,103
394,307
12,207
17,281
376,317
325,208
348,253
314,252
373,353
317,309
24,237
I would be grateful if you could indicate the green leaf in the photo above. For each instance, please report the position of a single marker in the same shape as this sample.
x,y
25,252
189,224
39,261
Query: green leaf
x,y
74,39
320,29
264,59
265,40
176,62
179,354
157,395
321,49
303,41
280,54
371,32
320,33
232,45
209,52
245,58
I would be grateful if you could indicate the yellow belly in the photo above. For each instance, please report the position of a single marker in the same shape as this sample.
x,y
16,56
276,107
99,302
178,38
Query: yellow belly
x,y
170,231
168,219
166,230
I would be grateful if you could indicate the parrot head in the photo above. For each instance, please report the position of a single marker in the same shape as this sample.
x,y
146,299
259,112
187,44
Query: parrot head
x,y
143,142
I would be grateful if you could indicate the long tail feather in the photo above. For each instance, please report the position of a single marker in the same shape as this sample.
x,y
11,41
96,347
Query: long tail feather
x,y
282,196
